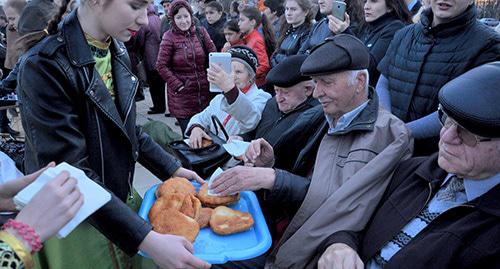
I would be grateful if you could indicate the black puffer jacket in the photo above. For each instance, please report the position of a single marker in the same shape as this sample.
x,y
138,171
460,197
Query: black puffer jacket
x,y
69,115
294,38
377,36
422,58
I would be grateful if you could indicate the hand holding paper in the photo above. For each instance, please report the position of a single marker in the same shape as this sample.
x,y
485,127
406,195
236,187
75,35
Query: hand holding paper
x,y
60,187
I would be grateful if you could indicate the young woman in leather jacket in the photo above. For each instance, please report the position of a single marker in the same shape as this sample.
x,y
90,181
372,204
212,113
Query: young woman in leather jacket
x,y
77,94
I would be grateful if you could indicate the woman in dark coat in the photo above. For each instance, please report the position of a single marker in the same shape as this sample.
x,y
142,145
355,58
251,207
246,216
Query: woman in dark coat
x,y
383,19
298,17
181,63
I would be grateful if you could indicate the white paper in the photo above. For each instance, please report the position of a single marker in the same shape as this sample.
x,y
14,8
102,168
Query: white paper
x,y
8,169
236,148
215,174
94,195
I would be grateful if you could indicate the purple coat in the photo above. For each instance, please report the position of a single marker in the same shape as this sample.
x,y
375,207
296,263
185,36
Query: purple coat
x,y
181,62
149,39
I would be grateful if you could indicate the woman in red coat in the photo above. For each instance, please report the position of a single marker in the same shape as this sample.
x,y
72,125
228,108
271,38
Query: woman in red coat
x,y
263,45
181,63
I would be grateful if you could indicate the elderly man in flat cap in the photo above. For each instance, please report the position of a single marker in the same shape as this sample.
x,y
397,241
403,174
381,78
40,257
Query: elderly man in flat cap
x,y
282,113
355,160
441,211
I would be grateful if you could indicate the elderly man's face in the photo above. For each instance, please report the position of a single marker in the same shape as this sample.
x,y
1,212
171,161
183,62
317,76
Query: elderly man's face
x,y
339,93
289,98
475,162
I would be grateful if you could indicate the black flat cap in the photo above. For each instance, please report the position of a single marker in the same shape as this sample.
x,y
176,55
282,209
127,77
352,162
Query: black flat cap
x,y
287,73
472,100
335,54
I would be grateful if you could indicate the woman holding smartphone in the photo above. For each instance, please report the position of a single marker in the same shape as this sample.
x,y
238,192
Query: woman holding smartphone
x,y
239,107
77,91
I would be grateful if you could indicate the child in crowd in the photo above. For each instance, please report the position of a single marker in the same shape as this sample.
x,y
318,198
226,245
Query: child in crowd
x,y
216,18
231,34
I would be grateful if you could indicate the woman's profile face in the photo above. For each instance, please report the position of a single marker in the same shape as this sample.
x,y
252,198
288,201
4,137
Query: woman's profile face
x,y
240,74
183,19
245,24
121,19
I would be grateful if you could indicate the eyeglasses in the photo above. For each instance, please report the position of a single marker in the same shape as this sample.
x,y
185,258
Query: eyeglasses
x,y
466,136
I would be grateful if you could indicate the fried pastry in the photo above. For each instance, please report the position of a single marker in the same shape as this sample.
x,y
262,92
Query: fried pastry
x,y
172,221
175,185
214,201
169,200
225,220
204,216
191,206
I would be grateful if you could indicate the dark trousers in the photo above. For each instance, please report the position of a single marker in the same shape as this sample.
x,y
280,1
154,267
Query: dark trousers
x,y
157,90
4,121
183,123
255,263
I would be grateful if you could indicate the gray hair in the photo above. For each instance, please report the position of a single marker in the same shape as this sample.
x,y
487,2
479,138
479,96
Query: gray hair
x,y
353,74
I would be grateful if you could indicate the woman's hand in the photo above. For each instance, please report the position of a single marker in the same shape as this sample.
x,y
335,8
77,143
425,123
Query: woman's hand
x,y
196,137
337,26
53,206
260,153
9,189
171,251
186,173
243,178
217,76
340,256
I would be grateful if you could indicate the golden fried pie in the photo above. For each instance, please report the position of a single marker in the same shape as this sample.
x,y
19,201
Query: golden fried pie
x,y
206,142
172,221
225,220
175,185
204,216
214,201
191,206
169,200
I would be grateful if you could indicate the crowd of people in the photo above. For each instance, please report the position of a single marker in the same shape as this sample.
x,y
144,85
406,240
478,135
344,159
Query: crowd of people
x,y
374,136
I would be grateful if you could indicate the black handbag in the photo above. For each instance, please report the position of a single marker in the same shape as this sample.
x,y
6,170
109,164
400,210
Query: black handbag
x,y
15,150
205,160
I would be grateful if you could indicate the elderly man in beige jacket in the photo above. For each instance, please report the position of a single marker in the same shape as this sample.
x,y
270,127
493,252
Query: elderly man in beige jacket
x,y
354,163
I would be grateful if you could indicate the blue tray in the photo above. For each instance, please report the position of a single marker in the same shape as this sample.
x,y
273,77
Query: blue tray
x,y
218,249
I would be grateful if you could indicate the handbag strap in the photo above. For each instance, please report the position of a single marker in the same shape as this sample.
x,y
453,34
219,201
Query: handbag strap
x,y
217,125
203,45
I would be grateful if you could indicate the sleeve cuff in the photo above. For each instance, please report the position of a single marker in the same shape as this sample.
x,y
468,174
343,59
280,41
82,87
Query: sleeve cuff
x,y
232,95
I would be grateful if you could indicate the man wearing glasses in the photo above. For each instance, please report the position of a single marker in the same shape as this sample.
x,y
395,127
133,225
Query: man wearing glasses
x,y
441,211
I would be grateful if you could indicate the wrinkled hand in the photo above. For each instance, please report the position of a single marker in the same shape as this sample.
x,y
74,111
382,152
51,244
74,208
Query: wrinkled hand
x,y
243,178
337,26
10,188
183,172
340,256
217,76
260,153
196,137
53,206
171,251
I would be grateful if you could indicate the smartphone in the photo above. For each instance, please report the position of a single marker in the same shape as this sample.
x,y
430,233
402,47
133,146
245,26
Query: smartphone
x,y
338,10
223,59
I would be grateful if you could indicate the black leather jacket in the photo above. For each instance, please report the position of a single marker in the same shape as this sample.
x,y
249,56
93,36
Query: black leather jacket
x,y
294,38
69,115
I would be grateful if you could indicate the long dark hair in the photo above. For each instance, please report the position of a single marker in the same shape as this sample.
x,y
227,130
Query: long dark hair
x,y
400,10
253,13
355,9
27,41
285,27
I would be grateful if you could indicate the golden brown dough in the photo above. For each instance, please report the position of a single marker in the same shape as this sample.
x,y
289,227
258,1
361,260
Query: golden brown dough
x,y
214,201
204,216
191,206
169,200
206,142
226,221
175,185
171,221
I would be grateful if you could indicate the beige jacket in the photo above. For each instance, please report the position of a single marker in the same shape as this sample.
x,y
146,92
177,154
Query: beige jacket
x,y
351,173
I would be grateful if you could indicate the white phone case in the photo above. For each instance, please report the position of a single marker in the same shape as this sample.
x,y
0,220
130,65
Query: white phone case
x,y
223,59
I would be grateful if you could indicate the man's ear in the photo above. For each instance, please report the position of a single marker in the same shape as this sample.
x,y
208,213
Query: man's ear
x,y
361,80
309,87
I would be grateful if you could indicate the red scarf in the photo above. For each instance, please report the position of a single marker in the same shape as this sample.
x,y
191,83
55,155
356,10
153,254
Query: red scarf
x,y
244,91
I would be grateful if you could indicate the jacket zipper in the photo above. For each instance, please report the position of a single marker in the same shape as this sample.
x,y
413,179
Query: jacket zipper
x,y
196,71
129,181
132,102
100,146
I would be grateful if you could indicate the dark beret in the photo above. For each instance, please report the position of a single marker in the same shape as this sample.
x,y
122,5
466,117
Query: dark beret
x,y
245,54
336,54
471,99
287,73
